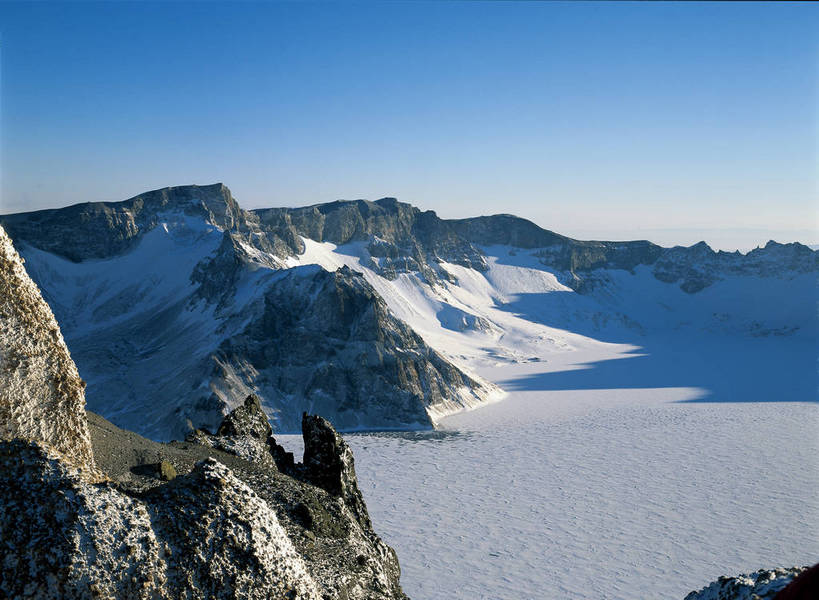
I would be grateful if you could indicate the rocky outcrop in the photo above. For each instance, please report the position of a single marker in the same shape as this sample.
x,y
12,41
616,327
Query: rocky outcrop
x,y
339,351
42,397
327,525
328,463
765,584
224,527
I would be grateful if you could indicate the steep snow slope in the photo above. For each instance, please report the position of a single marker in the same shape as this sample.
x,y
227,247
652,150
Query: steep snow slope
x,y
131,326
517,310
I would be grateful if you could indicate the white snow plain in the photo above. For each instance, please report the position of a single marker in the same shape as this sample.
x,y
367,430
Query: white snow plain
x,y
672,441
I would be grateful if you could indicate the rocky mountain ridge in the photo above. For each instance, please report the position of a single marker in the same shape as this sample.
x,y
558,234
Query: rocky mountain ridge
x,y
402,236
373,370
177,303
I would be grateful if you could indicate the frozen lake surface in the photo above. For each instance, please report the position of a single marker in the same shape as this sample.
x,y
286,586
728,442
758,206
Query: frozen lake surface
x,y
592,480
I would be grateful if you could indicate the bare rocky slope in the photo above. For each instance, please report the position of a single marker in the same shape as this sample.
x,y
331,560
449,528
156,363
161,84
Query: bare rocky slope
x,y
88,510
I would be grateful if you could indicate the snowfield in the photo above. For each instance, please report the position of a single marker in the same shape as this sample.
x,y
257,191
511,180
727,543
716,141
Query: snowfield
x,y
617,493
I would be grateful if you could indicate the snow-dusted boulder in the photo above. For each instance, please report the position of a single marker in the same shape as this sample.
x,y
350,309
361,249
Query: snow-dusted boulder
x,y
764,584
42,397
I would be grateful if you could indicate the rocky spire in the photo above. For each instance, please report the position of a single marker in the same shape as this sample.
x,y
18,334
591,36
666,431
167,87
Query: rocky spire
x,y
328,463
42,397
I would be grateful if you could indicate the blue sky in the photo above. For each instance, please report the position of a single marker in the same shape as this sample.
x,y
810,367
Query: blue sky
x,y
669,121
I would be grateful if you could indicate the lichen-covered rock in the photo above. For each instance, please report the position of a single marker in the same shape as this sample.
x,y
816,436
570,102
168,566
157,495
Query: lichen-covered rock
x,y
204,535
42,397
245,432
248,419
166,470
764,584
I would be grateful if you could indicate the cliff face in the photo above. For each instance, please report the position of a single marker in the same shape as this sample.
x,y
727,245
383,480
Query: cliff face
x,y
338,351
41,396
90,510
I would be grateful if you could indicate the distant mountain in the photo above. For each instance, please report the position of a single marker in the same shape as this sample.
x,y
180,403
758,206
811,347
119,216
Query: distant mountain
x,y
177,304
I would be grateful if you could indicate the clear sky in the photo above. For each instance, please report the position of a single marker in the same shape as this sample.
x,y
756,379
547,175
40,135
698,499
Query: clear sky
x,y
669,121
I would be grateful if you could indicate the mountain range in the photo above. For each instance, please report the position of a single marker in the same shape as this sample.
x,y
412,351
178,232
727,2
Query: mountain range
x,y
177,304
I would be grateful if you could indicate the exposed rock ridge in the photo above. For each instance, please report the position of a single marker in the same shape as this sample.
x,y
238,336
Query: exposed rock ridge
x,y
328,463
42,397
339,350
399,238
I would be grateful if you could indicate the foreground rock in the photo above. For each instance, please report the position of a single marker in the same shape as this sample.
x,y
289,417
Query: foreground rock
x,y
41,394
762,585
224,527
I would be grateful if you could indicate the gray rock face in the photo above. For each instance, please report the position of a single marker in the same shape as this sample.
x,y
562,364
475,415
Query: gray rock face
x,y
338,351
405,238
104,229
764,584
329,464
42,397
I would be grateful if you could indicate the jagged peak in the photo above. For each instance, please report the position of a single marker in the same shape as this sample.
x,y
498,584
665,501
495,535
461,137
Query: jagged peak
x,y
701,246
